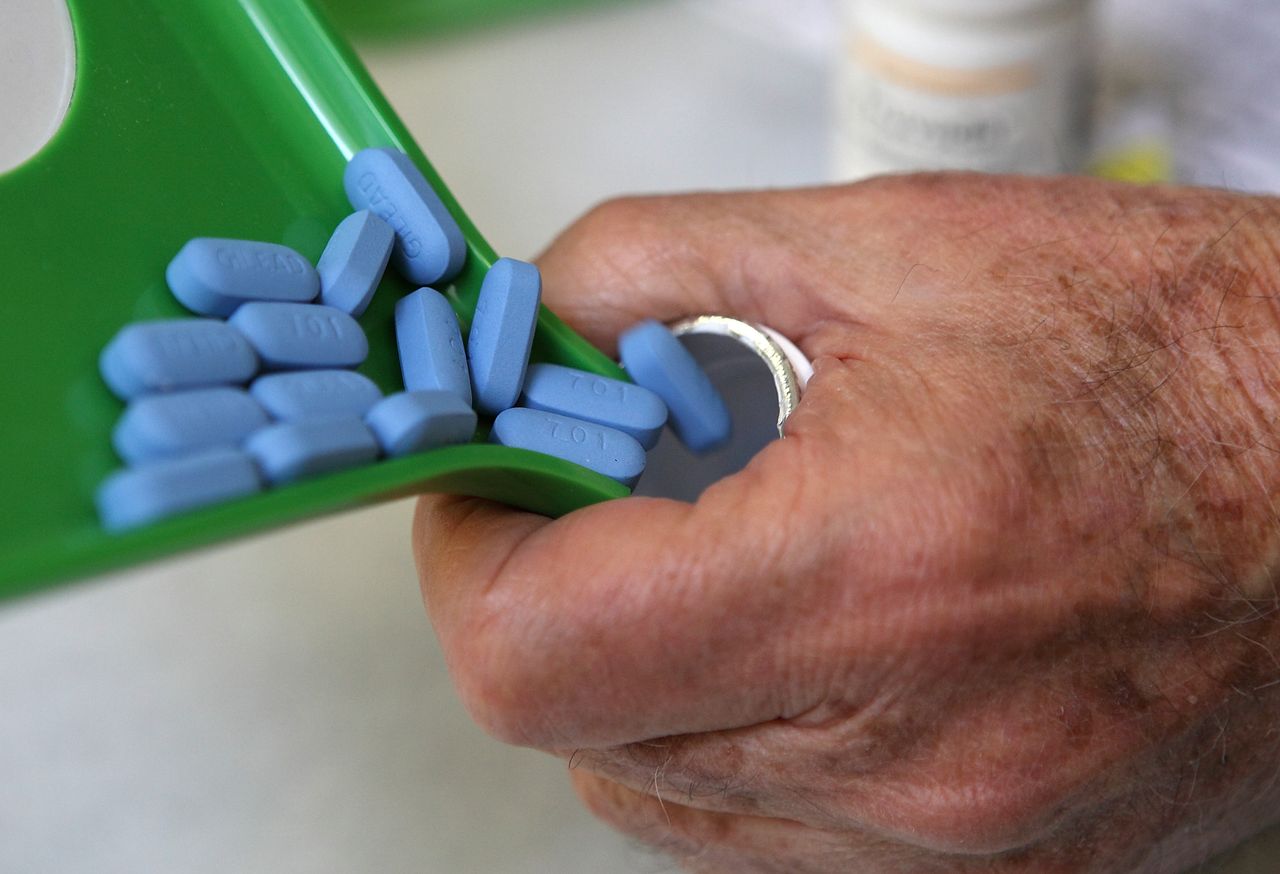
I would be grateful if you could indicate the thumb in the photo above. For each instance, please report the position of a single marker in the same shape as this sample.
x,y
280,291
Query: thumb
x,y
668,257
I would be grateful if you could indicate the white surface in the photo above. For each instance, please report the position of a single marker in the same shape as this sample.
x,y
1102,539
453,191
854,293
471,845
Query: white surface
x,y
280,705
37,71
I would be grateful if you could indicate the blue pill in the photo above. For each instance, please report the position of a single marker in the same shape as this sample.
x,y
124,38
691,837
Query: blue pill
x,y
315,394
429,246
430,344
655,359
604,450
213,277
417,420
293,336
164,425
502,333
613,403
175,354
353,263
292,451
154,491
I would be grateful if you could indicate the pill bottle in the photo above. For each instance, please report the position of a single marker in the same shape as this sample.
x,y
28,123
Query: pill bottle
x,y
991,85
760,374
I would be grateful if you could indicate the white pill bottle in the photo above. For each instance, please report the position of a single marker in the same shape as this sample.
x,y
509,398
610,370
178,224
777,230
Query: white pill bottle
x,y
992,85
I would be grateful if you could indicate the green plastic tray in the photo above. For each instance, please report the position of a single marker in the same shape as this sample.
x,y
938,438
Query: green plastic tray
x,y
394,19
202,118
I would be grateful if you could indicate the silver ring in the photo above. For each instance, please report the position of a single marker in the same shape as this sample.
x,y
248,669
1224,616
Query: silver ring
x,y
787,364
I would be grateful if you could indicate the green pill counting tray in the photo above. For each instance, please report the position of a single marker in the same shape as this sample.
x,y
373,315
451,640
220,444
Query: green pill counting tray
x,y
204,118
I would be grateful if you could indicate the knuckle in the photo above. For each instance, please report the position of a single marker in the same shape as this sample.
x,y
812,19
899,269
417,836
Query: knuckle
x,y
628,218
596,266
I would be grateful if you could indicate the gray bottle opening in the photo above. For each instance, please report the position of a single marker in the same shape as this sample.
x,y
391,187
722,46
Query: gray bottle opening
x,y
758,385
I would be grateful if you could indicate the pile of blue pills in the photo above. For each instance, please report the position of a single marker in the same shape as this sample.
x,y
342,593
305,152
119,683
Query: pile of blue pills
x,y
259,388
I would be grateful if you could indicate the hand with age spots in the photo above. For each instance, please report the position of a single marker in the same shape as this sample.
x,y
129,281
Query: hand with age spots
x,y
1004,599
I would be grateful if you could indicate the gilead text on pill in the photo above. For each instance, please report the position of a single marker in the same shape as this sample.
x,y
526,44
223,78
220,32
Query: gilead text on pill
x,y
213,276
429,244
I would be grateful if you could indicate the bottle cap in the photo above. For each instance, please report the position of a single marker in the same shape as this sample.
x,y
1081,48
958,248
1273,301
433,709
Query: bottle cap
x,y
760,374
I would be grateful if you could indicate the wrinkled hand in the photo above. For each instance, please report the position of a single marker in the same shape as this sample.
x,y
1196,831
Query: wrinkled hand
x,y
1005,598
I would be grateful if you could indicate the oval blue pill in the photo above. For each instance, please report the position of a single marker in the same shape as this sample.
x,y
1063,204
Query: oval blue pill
x,y
604,450
134,497
212,276
655,359
292,451
430,344
429,246
417,420
315,394
502,333
353,263
164,425
613,403
292,336
175,354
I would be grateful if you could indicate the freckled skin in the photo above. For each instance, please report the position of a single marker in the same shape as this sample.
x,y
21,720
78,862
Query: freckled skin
x,y
1003,601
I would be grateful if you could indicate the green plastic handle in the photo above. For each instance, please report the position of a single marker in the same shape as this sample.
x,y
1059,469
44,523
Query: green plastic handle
x,y
391,19
203,118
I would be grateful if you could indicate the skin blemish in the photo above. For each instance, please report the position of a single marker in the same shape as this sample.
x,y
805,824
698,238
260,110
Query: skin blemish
x,y
1119,690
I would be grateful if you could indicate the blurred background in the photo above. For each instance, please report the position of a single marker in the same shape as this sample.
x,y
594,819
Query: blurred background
x,y
280,704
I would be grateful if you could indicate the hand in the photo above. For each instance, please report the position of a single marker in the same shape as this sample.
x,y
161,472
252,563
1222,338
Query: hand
x,y
1003,600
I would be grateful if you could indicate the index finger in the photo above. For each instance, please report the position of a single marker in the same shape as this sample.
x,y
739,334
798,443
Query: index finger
x,y
668,257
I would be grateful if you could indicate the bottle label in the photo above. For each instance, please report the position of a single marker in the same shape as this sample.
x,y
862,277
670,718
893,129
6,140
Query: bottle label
x,y
898,114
